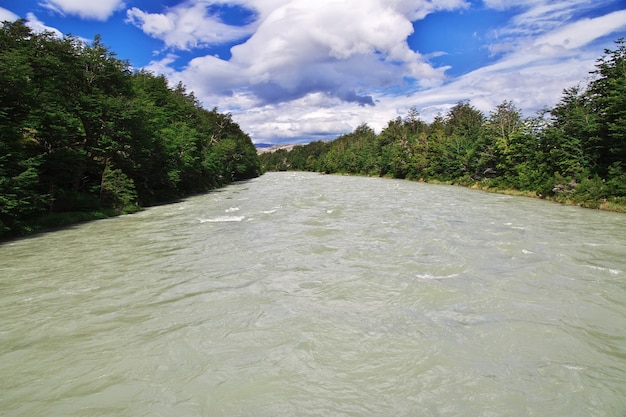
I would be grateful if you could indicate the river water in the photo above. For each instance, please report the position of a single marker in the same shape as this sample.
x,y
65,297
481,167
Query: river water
x,y
298,294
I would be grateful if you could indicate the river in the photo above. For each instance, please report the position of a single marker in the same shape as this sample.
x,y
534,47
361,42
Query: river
x,y
298,294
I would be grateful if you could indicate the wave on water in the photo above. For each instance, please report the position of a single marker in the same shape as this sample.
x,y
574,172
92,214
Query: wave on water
x,y
222,219
612,271
431,276
307,294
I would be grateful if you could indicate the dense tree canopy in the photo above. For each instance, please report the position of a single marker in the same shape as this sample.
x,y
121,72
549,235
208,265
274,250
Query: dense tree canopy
x,y
80,131
573,152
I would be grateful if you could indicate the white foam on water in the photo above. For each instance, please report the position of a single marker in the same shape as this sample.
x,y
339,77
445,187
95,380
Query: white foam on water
x,y
609,270
222,219
430,276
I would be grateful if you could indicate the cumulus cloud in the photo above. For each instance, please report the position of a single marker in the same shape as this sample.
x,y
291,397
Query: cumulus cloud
x,y
315,116
187,26
163,66
97,10
303,70
345,50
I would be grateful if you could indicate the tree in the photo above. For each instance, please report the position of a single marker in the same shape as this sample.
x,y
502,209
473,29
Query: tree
x,y
575,151
608,100
497,155
456,149
80,132
571,137
20,192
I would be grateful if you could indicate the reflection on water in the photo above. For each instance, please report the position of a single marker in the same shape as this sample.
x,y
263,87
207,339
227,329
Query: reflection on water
x,y
302,294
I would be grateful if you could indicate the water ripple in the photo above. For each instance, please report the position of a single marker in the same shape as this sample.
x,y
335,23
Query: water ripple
x,y
302,294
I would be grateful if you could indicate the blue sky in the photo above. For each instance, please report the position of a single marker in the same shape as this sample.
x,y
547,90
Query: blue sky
x,y
293,71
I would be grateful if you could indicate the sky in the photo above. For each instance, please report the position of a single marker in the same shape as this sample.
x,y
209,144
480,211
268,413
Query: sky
x,y
296,71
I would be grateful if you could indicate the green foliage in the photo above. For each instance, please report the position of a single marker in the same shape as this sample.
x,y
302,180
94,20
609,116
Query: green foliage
x,y
79,131
608,98
118,191
574,152
277,161
503,141
616,182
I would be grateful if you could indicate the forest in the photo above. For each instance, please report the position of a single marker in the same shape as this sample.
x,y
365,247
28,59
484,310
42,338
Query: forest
x,y
574,153
83,136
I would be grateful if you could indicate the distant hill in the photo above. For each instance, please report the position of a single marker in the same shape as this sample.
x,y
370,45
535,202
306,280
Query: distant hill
x,y
266,147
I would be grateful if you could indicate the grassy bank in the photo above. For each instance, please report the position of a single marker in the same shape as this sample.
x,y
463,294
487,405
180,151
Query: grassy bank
x,y
572,198
614,204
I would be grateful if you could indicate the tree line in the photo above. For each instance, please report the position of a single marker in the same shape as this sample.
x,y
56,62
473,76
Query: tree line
x,y
574,152
83,135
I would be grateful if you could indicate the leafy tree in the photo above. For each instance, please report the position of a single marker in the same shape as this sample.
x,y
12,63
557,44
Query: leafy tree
x,y
608,100
496,154
456,148
418,145
393,143
571,135
523,166
117,190
80,132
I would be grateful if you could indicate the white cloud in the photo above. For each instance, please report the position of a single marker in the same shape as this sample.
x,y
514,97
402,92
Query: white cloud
x,y
163,66
584,31
33,22
533,73
312,117
316,69
86,9
187,26
344,49
538,16
38,26
7,15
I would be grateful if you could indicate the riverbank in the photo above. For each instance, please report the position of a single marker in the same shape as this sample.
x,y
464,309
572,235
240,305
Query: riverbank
x,y
59,220
613,204
568,198
54,221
